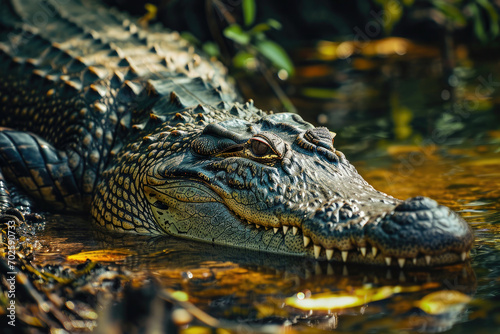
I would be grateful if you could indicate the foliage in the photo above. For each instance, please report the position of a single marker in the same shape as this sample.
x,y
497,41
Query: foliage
x,y
481,15
255,51
254,43
478,8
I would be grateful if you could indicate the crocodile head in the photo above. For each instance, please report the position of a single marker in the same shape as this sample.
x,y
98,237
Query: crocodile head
x,y
276,185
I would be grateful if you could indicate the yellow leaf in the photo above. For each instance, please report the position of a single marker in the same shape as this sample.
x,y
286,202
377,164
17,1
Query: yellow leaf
x,y
196,330
180,296
443,301
483,161
345,299
103,255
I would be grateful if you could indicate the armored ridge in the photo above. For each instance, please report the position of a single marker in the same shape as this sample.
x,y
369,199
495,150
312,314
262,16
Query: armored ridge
x,y
139,129
87,78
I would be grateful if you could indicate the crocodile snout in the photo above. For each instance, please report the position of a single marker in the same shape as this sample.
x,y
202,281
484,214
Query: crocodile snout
x,y
420,226
414,232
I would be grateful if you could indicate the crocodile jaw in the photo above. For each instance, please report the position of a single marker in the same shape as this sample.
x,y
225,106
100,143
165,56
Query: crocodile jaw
x,y
195,210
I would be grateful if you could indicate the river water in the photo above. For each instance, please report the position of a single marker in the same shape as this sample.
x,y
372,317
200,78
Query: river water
x,y
409,133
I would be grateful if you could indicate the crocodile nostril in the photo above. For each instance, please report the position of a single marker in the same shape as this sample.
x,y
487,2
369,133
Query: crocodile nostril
x,y
417,204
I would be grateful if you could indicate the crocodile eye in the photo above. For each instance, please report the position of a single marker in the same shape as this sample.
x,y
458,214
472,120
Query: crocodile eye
x,y
260,148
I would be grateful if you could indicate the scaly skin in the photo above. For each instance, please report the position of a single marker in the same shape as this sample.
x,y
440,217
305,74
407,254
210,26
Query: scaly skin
x,y
137,128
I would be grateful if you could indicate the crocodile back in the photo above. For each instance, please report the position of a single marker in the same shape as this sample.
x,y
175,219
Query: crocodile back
x,y
82,77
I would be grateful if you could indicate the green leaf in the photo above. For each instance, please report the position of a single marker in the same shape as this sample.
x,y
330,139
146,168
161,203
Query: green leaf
x,y
394,11
211,49
452,12
190,37
478,24
235,33
242,59
276,54
259,36
249,11
321,93
494,27
275,24
261,27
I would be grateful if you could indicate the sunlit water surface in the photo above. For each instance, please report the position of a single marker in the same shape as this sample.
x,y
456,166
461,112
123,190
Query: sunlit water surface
x,y
256,290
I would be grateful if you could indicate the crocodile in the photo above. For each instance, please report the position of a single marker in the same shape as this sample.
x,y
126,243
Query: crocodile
x,y
136,128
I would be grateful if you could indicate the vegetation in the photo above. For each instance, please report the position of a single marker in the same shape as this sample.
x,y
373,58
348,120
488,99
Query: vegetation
x,y
480,15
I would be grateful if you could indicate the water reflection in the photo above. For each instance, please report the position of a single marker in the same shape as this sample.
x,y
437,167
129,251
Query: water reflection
x,y
251,288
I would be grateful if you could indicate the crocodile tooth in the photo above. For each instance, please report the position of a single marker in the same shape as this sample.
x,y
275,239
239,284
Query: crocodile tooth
x,y
257,226
306,240
428,259
317,250
414,260
363,251
463,256
401,262
285,229
275,230
266,227
344,255
374,251
388,261
295,230
329,254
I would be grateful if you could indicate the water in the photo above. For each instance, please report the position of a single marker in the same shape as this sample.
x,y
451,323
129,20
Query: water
x,y
252,289
408,134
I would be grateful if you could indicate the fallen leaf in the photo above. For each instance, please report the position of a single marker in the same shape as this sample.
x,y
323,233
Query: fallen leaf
x,y
102,255
443,301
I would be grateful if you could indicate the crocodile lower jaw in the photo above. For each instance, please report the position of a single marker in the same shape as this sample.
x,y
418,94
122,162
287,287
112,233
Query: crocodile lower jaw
x,y
370,255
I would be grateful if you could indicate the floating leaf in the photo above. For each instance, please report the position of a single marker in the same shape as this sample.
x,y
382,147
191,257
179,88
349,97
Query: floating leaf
x,y
276,54
199,330
103,255
443,301
235,33
249,11
345,299
180,296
